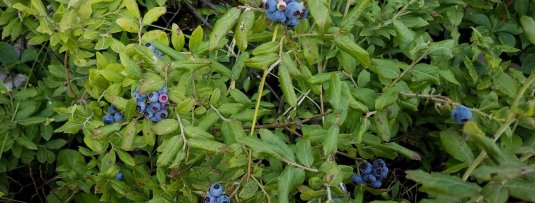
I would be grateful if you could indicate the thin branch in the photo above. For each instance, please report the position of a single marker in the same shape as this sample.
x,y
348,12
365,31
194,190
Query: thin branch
x,y
198,16
291,163
67,74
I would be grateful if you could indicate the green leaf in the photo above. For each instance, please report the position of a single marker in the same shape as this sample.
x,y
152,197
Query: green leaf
x,y
521,189
262,62
126,157
387,98
288,181
478,136
55,144
31,121
403,151
132,69
330,141
456,146
334,93
443,184
26,143
165,126
304,152
319,9
231,131
495,193
425,72
196,39
382,126
244,26
222,27
266,48
25,94
528,24
128,135
151,82
248,190
285,83
153,14
347,44
207,144
128,24
351,19
106,130
168,149
258,146
132,8
386,68
177,37
310,50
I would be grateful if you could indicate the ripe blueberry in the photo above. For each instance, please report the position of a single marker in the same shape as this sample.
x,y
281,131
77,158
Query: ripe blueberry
x,y
155,107
210,199
461,114
107,119
216,189
270,6
223,199
165,105
119,176
277,16
154,119
153,96
357,179
379,163
140,106
294,10
369,178
365,168
161,114
376,184
112,110
292,22
118,117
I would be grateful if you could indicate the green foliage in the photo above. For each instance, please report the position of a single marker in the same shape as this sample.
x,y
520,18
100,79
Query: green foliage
x,y
273,114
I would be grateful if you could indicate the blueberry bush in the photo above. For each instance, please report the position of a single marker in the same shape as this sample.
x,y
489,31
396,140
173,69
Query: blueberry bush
x,y
267,101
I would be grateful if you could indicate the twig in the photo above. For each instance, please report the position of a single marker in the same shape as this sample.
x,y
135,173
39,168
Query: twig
x,y
67,74
408,69
271,89
291,163
447,100
198,16
262,188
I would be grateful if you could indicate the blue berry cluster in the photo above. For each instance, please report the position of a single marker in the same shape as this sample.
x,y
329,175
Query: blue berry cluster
x,y
215,195
461,114
112,116
372,174
157,52
288,11
153,105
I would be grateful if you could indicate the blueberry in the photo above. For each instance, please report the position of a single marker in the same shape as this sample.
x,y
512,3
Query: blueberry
x,y
376,184
153,49
461,114
210,199
148,113
281,5
140,106
119,176
216,189
294,10
165,105
107,119
154,119
161,114
369,178
163,90
270,6
365,168
379,163
305,13
118,117
155,107
379,172
223,199
289,1
163,98
357,179
153,96
292,22
385,172
112,109
277,16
